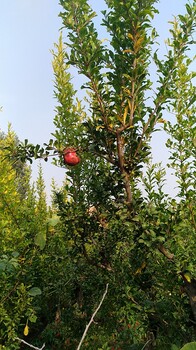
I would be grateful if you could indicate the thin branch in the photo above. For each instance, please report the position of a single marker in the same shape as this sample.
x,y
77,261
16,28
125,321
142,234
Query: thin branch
x,y
165,252
9,293
126,176
92,318
146,344
31,346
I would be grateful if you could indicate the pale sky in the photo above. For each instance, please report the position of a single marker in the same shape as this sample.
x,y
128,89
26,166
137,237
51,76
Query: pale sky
x,y
28,30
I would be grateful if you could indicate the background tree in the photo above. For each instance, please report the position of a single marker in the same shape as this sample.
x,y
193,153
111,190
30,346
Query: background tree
x,y
23,225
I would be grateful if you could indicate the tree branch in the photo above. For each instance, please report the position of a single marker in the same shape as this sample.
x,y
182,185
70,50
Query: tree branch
x,y
126,177
31,346
92,317
165,252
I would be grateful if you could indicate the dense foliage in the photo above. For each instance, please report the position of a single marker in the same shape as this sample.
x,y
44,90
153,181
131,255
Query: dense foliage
x,y
111,223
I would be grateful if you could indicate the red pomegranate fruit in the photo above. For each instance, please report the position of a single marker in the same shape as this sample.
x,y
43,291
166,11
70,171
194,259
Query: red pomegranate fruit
x,y
70,156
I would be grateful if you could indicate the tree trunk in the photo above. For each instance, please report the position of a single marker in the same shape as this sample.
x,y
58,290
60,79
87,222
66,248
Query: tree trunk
x,y
190,289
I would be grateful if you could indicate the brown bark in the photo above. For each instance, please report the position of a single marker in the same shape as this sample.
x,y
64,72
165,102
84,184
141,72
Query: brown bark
x,y
126,177
190,289
165,252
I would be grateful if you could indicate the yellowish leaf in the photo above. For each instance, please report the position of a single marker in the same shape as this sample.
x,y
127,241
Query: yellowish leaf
x,y
125,114
26,330
139,270
110,125
187,277
98,127
130,105
138,44
130,36
120,118
131,127
161,120
128,51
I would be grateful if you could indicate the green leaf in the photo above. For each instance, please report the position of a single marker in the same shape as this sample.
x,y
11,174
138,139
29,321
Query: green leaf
x,y
54,220
40,240
189,346
3,265
174,347
34,291
15,254
33,318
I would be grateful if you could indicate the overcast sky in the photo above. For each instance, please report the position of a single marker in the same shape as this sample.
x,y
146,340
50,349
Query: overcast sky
x,y
28,30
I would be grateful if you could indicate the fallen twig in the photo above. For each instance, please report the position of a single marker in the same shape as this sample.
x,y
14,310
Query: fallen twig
x,y
92,317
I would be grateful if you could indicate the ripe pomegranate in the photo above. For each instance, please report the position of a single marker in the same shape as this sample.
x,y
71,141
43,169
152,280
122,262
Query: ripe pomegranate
x,y
70,156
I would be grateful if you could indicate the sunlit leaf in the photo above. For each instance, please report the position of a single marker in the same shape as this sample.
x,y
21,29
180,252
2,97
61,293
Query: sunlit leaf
x,y
34,291
40,240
